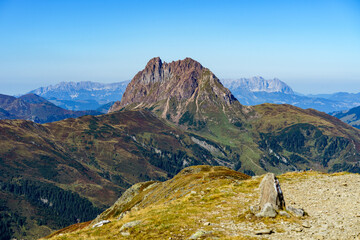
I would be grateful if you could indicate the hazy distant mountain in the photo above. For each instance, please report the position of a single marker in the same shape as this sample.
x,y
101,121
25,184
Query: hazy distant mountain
x,y
35,108
257,90
351,99
258,84
82,95
249,91
351,116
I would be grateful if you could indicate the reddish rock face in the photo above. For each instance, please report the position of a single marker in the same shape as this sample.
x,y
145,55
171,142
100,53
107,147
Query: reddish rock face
x,y
160,80
172,89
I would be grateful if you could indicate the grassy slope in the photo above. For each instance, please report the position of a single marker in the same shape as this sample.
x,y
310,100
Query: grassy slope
x,y
183,204
97,157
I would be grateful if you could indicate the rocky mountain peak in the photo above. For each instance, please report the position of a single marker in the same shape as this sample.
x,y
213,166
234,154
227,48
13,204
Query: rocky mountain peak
x,y
175,88
158,71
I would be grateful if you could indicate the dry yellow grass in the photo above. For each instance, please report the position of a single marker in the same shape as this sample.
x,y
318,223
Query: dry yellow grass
x,y
178,208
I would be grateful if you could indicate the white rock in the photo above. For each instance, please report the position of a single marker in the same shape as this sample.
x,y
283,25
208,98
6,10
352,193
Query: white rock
x,y
101,223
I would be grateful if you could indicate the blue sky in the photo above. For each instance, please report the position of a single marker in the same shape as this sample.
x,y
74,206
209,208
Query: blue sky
x,y
314,46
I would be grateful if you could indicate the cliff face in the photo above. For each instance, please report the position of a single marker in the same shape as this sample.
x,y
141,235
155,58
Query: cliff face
x,y
181,91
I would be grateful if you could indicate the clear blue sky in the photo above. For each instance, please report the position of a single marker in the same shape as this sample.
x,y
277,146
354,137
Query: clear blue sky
x,y
314,45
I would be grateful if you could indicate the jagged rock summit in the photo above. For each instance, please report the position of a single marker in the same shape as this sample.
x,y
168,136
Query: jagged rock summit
x,y
182,91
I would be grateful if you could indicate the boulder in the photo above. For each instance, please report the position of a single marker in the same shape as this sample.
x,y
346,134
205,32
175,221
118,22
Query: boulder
x,y
130,225
267,211
270,192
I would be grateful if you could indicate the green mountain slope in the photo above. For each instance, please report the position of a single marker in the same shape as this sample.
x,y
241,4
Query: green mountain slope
x,y
90,159
267,137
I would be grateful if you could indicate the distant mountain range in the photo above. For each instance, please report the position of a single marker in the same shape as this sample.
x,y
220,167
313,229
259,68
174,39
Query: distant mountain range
x,y
35,108
257,90
351,117
249,91
82,95
258,84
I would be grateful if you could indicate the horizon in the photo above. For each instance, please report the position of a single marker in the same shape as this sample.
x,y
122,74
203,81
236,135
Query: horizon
x,y
312,47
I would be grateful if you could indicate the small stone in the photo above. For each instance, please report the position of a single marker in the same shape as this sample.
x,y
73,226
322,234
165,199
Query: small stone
x,y
193,192
125,234
199,234
306,225
264,232
101,223
319,236
207,224
285,214
297,211
298,229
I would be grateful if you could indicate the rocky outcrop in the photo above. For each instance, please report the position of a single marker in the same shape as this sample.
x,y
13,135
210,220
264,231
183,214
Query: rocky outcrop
x,y
271,197
272,200
270,192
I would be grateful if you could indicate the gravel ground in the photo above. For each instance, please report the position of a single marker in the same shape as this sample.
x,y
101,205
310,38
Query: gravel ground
x,y
333,205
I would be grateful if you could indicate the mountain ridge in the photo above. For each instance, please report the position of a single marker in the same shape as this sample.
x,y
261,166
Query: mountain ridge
x,y
83,95
351,116
35,108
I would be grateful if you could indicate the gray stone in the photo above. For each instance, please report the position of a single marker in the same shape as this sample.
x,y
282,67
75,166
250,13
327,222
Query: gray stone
x,y
297,211
264,232
129,225
267,211
270,192
285,214
101,223
306,225
199,234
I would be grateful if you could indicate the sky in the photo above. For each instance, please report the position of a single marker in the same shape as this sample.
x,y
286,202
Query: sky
x,y
313,46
